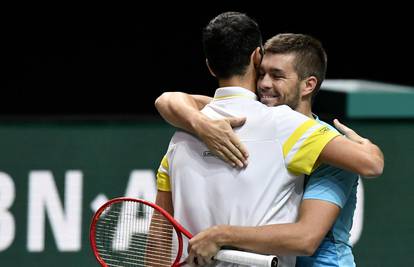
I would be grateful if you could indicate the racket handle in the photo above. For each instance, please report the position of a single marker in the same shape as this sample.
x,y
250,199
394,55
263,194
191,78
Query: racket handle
x,y
246,258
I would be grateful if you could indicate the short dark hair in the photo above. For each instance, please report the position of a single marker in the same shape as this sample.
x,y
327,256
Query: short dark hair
x,y
310,56
228,41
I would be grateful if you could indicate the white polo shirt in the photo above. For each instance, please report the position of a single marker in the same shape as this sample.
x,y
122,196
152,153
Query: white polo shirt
x,y
283,145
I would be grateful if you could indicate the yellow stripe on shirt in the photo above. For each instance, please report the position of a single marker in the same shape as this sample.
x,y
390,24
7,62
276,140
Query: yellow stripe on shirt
x,y
297,134
305,159
163,179
163,182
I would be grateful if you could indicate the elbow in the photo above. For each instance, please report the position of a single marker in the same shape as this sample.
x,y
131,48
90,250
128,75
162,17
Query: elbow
x,y
161,100
309,243
308,251
375,161
375,168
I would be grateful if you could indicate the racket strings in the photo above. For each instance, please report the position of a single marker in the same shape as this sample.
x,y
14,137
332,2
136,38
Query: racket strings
x,y
130,233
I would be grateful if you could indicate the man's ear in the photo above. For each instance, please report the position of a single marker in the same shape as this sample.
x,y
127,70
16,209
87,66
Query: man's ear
x,y
256,57
309,85
209,69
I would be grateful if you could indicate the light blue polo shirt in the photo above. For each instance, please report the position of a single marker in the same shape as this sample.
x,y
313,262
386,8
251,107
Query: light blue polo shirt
x,y
339,187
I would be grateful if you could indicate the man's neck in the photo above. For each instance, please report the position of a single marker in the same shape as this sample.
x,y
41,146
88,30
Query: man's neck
x,y
247,81
304,107
228,83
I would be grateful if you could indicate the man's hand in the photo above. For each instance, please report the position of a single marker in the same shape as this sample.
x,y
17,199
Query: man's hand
x,y
349,133
205,245
220,138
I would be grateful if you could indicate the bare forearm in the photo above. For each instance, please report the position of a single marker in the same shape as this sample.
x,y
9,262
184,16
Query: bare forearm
x,y
281,239
303,237
160,231
181,110
370,155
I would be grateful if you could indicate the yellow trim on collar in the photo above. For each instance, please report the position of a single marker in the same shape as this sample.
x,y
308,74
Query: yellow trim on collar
x,y
233,96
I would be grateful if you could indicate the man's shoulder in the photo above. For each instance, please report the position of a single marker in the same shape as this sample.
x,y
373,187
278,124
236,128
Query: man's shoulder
x,y
284,111
328,125
281,108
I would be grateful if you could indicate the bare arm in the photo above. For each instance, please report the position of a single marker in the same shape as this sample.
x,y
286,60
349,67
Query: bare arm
x,y
353,153
183,111
160,232
316,218
164,200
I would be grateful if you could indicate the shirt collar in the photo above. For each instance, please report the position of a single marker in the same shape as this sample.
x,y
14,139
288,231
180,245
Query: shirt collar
x,y
233,92
315,117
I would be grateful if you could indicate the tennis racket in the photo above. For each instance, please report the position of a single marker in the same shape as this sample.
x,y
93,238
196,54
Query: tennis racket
x,y
135,232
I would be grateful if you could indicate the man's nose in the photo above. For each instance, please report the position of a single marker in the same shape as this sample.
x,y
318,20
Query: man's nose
x,y
265,83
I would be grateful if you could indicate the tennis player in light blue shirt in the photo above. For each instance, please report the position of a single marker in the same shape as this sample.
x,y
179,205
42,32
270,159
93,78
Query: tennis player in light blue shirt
x,y
339,187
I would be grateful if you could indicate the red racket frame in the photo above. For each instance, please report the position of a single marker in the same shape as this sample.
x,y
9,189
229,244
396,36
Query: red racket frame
x,y
177,227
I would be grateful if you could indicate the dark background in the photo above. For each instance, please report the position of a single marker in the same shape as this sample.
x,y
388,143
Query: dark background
x,y
112,60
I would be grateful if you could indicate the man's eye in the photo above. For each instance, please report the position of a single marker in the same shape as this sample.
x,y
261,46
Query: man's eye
x,y
276,77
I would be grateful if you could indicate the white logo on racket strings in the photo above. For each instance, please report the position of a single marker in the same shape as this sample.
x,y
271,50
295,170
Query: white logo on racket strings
x,y
126,229
139,180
